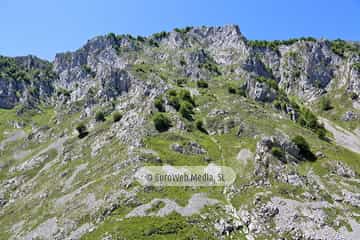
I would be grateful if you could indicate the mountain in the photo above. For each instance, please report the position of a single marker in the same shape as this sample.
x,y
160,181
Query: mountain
x,y
283,115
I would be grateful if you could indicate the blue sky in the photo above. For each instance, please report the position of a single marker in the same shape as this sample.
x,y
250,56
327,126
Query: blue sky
x,y
45,27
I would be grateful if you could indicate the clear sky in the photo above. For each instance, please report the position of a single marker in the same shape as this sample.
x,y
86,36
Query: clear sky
x,y
45,27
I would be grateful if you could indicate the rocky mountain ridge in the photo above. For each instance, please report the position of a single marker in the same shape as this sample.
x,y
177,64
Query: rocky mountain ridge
x,y
74,132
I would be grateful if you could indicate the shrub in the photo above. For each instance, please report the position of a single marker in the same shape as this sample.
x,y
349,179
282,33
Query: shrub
x,y
231,89
356,66
321,132
304,147
242,91
308,119
175,102
277,152
82,130
270,82
354,96
202,84
117,116
182,61
172,92
100,116
186,110
200,126
185,95
325,104
277,104
162,122
159,104
181,82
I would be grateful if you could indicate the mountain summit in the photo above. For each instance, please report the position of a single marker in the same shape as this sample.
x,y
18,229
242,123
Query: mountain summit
x,y
283,115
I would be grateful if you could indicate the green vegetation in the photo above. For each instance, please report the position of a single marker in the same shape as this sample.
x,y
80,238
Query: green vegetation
x,y
276,43
161,35
277,152
11,70
356,66
309,120
100,116
304,147
202,84
159,104
233,89
173,226
200,126
211,66
325,104
87,69
182,61
342,48
186,110
162,122
117,116
270,82
183,31
182,101
354,96
62,92
82,130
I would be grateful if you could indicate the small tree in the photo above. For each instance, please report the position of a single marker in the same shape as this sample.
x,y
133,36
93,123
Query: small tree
x,y
277,152
100,116
325,104
159,104
185,95
117,116
82,130
354,96
200,126
174,101
304,147
202,84
231,90
186,110
162,122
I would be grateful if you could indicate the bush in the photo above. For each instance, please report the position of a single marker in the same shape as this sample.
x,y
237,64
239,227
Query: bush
x,y
231,89
186,110
200,126
277,152
185,95
175,102
182,61
82,130
277,104
354,96
308,119
181,82
304,147
117,116
270,82
100,116
162,122
202,84
159,104
242,91
321,132
325,104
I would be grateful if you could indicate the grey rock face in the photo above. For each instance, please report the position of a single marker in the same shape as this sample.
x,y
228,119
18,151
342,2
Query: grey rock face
x,y
189,148
350,116
260,91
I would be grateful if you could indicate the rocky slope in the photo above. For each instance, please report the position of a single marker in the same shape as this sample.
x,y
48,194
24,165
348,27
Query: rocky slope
x,y
73,133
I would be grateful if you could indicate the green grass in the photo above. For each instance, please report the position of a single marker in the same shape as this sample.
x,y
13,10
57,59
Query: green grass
x,y
171,227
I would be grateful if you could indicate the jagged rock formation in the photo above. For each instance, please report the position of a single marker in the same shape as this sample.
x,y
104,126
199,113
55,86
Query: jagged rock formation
x,y
193,96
